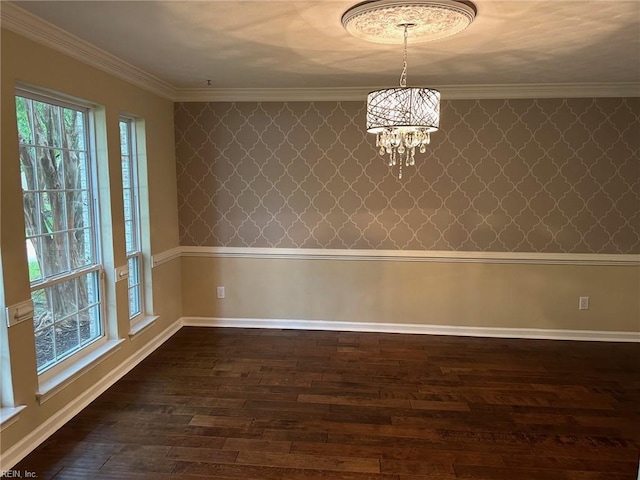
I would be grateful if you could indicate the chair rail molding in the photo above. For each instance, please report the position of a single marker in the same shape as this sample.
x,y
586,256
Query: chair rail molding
x,y
400,256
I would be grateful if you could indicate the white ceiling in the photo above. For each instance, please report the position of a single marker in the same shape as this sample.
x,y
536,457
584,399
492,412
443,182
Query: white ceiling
x,y
301,43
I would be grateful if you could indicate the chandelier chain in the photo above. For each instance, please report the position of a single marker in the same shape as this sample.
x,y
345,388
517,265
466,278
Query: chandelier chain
x,y
403,75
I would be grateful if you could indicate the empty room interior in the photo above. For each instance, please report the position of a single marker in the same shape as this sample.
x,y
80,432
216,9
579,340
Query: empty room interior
x,y
380,240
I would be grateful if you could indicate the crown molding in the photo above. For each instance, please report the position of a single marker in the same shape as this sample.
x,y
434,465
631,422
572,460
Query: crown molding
x,y
449,92
26,24
34,28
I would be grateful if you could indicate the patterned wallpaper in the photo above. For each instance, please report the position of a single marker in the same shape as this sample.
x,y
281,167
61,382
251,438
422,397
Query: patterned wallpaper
x,y
546,175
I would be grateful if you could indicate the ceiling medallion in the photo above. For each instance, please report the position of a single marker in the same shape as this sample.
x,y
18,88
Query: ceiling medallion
x,y
403,118
377,21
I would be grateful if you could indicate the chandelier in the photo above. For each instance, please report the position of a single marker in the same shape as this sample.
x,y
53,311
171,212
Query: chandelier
x,y
403,118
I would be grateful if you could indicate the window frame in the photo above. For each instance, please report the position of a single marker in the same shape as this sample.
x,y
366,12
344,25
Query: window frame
x,y
96,267
135,255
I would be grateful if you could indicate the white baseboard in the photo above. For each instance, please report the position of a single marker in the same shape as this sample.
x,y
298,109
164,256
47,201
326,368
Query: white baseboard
x,y
31,441
534,333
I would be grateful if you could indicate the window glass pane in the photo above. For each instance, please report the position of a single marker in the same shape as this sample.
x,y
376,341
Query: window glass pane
x,y
32,258
28,168
124,138
74,131
67,336
32,224
83,174
41,317
128,210
134,302
130,243
59,211
47,123
64,299
80,206
23,114
126,174
50,175
135,287
45,348
43,213
77,213
73,172
89,324
134,274
87,291
52,211
82,252
54,258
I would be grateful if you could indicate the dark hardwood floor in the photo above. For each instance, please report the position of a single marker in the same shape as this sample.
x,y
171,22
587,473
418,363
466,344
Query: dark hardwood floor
x,y
286,404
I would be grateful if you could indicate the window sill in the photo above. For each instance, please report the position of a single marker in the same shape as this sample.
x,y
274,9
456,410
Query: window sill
x,y
79,368
10,415
138,326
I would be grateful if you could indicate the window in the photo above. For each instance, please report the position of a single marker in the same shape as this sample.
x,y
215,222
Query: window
x,y
56,166
131,215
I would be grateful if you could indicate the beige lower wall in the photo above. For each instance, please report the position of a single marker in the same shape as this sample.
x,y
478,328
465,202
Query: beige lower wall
x,y
430,293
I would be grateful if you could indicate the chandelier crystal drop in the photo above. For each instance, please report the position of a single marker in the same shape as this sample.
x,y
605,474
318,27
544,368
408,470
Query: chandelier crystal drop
x,y
403,118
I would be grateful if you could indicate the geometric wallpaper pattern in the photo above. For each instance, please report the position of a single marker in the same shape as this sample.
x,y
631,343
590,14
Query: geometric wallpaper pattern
x,y
519,175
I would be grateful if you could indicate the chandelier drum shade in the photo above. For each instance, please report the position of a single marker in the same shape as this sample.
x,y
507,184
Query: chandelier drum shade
x,y
403,118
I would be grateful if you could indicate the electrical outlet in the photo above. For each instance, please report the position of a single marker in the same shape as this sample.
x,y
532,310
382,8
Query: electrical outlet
x,y
220,292
584,303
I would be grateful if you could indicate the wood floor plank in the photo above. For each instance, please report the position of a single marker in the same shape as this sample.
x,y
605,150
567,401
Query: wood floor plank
x,y
336,449
416,468
220,421
313,462
201,454
138,464
221,404
569,463
257,472
438,405
249,445
341,400
510,473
